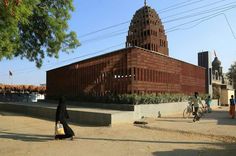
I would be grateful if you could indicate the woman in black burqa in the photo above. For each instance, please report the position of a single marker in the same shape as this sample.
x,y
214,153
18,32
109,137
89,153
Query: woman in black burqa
x,y
61,116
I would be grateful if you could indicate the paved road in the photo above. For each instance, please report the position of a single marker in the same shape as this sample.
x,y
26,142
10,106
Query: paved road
x,y
213,135
217,123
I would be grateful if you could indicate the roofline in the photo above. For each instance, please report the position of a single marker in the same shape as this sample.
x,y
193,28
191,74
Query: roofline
x,y
155,52
158,53
91,58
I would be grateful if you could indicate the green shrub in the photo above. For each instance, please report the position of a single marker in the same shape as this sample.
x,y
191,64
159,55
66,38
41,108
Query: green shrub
x,y
136,99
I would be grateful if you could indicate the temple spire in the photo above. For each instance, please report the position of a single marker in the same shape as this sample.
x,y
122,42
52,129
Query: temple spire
x,y
145,2
215,53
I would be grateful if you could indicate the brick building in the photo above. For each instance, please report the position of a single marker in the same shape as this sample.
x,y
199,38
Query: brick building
x,y
142,67
146,31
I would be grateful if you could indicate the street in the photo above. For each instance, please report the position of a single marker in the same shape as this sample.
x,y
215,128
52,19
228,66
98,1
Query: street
x,y
214,134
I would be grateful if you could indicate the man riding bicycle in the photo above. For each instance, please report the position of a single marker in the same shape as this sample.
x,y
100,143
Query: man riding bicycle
x,y
195,101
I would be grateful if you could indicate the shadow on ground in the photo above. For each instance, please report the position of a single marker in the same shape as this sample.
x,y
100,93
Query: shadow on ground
x,y
151,141
223,149
229,150
222,117
9,114
26,137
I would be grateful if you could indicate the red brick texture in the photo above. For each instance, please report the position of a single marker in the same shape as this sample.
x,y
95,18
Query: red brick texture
x,y
147,31
155,73
130,70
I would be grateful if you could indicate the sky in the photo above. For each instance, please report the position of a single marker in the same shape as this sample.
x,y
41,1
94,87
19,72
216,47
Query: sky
x,y
191,26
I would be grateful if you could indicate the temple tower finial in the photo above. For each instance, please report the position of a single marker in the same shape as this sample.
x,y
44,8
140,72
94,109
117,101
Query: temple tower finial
x,y
145,34
145,2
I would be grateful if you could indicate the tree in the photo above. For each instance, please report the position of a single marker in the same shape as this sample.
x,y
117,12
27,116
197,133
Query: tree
x,y
32,29
232,74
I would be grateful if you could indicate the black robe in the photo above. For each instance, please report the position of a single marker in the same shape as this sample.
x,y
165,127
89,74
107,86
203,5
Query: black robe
x,y
62,115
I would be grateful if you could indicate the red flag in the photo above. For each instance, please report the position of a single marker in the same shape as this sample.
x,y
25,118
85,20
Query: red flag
x,y
10,73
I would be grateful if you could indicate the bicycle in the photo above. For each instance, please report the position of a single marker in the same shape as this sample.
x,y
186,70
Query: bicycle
x,y
189,110
206,108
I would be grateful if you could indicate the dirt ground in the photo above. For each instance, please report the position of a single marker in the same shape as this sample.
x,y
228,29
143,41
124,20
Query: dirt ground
x,y
214,135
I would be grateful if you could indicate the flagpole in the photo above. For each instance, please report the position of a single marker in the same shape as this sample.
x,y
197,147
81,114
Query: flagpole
x,y
11,80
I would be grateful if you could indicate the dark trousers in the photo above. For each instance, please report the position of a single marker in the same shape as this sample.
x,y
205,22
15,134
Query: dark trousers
x,y
195,113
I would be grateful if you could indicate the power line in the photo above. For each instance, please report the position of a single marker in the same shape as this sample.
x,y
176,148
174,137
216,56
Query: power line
x,y
201,13
104,37
231,29
194,9
29,70
168,30
201,21
174,5
106,28
86,55
113,34
180,18
122,23
196,20
181,6
170,8
113,46
118,33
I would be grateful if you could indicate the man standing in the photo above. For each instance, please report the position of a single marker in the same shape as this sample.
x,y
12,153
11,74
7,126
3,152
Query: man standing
x,y
232,107
196,100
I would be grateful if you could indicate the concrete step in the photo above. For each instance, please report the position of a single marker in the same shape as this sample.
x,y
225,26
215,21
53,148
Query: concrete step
x,y
78,115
